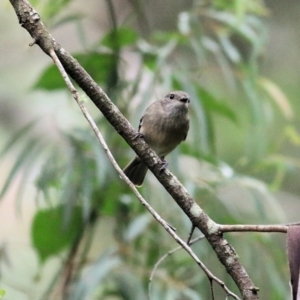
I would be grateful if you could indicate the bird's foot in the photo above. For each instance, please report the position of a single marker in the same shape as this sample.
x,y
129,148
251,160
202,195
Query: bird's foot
x,y
138,135
164,165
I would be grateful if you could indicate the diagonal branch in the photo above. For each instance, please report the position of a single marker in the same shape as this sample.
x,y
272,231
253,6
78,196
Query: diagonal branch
x,y
254,228
100,138
30,20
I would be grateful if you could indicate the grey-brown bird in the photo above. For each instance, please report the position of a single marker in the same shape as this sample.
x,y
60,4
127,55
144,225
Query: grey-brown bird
x,y
164,125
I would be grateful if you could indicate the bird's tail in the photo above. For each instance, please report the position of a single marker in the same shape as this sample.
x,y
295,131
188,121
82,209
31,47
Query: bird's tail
x,y
136,171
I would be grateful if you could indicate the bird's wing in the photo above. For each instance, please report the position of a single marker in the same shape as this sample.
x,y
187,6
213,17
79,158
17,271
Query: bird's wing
x,y
141,123
187,130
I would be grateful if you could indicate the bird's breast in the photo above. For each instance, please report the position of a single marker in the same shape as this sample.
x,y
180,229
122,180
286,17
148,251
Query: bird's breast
x,y
164,131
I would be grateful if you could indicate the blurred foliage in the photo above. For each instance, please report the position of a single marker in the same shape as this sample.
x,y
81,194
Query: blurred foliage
x,y
224,39
2,293
50,240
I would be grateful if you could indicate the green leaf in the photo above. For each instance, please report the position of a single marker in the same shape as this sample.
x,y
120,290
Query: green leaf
x,y
24,156
54,7
150,60
120,37
292,135
49,8
95,275
49,233
176,84
212,104
2,293
17,137
50,80
166,36
98,65
130,285
229,48
109,205
50,175
137,227
69,19
277,95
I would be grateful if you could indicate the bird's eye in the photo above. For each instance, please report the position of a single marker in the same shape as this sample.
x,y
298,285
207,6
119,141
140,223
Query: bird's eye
x,y
172,96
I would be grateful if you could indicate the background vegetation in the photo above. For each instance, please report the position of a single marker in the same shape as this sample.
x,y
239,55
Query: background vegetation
x,y
236,60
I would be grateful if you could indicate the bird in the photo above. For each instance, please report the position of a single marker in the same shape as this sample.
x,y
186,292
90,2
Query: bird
x,y
164,125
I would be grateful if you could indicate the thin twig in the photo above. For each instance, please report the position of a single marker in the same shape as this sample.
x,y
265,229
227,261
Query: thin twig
x,y
293,224
75,95
253,228
209,275
211,283
191,234
164,257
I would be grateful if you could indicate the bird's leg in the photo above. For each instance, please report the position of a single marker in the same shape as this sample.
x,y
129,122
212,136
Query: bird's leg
x,y
164,164
138,135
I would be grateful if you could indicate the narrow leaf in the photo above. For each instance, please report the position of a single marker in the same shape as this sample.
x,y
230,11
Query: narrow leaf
x,y
212,104
119,38
23,157
94,276
18,136
137,226
278,96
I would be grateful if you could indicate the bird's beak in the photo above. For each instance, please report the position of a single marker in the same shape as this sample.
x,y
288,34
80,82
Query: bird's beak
x,y
185,100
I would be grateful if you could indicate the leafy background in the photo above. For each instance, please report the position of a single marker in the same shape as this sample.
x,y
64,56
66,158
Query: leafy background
x,y
63,206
